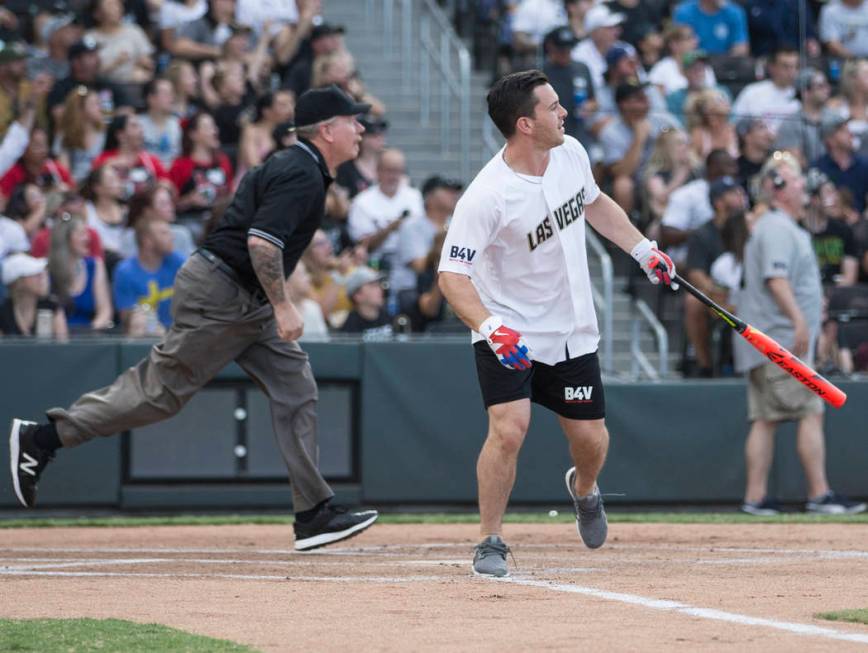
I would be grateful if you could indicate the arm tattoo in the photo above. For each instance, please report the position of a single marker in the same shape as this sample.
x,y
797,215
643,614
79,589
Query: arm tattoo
x,y
267,262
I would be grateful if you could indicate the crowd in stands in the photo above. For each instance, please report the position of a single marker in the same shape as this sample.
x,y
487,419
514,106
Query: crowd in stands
x,y
126,126
681,105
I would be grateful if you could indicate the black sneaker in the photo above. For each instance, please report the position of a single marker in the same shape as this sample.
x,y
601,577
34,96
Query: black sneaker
x,y
331,524
26,460
834,504
765,508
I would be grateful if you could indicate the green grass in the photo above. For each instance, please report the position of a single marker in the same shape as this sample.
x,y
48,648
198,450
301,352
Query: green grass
x,y
535,517
858,616
105,636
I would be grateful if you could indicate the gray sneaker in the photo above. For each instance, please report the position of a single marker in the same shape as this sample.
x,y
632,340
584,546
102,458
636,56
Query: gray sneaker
x,y
591,520
490,557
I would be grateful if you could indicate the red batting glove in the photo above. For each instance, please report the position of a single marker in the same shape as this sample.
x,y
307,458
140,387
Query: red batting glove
x,y
507,344
656,264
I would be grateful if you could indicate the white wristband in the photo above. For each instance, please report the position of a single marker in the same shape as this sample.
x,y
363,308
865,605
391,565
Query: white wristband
x,y
641,250
490,325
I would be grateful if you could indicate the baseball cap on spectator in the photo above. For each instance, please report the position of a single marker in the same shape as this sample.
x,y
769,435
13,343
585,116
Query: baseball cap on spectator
x,y
720,187
320,104
84,45
690,58
436,181
283,130
560,37
325,29
18,266
601,16
360,277
830,122
618,52
373,125
745,125
628,89
54,23
12,51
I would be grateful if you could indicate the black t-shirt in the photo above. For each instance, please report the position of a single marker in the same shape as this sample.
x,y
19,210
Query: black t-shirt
x,y
228,118
351,178
636,19
8,324
111,96
746,171
831,246
298,78
380,328
704,245
282,201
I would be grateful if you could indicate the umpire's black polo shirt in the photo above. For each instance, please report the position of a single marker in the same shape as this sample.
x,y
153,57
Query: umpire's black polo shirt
x,y
281,201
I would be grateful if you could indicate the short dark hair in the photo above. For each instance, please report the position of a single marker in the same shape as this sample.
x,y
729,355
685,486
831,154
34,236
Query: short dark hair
x,y
782,50
511,97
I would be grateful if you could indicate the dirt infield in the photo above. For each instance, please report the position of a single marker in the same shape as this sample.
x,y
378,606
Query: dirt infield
x,y
653,587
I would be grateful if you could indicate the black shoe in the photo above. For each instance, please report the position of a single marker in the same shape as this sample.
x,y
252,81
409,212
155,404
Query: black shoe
x,y
26,460
765,508
832,503
331,524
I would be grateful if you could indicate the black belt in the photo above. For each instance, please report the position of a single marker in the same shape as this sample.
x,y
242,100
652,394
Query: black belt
x,y
257,293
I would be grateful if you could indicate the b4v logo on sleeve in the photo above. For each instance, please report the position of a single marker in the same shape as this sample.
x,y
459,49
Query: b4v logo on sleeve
x,y
579,395
463,254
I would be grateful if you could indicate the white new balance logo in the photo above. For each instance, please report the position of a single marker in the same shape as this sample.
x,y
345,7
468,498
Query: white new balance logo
x,y
579,394
30,466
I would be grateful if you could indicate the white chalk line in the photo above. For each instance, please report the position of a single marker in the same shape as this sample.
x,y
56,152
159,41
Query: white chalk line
x,y
317,579
808,630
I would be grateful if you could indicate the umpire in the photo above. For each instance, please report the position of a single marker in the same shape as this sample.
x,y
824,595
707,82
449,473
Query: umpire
x,y
230,303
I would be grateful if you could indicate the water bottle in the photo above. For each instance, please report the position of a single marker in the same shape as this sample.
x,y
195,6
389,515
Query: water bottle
x,y
44,324
580,95
834,70
152,320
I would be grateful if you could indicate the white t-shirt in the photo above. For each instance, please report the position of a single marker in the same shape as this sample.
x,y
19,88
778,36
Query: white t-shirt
x,y
765,100
315,327
586,52
254,13
847,25
110,235
689,208
415,237
372,211
13,238
536,18
521,240
131,41
666,73
174,14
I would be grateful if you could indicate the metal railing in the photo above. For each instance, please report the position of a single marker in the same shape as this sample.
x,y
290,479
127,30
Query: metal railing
x,y
639,361
608,307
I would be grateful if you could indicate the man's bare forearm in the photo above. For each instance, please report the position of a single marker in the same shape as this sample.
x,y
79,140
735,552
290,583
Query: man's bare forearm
x,y
459,291
267,260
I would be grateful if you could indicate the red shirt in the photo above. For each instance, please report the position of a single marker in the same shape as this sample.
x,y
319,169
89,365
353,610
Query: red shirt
x,y
41,245
52,174
188,174
146,171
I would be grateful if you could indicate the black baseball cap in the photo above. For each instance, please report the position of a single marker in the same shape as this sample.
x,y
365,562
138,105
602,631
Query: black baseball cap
x,y
325,29
720,187
433,183
561,37
283,130
373,125
82,46
628,89
320,104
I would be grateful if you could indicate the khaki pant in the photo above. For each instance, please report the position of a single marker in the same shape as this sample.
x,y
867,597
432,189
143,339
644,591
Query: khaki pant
x,y
775,396
216,321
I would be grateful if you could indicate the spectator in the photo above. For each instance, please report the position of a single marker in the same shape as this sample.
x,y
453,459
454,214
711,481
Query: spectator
x,y
840,163
161,128
79,280
156,202
628,140
433,309
704,246
256,137
202,174
720,25
603,28
774,24
576,12
36,167
185,82
649,46
256,60
27,281
325,270
638,15
298,287
288,22
284,135
15,90
531,21
27,207
710,128
339,69
800,134
80,136
773,99
203,38
844,28
234,96
854,101
361,173
376,213
71,204
782,297
84,71
335,222
59,32
105,211
671,165
690,207
125,150
415,237
368,317
144,284
124,49
668,74
831,236
324,39
571,81
696,70
175,13
755,144
16,139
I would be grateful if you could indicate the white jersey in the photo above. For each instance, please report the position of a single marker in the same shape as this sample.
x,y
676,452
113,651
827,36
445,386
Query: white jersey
x,y
521,240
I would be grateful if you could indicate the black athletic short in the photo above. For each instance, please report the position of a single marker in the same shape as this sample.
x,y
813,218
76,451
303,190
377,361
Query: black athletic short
x,y
572,388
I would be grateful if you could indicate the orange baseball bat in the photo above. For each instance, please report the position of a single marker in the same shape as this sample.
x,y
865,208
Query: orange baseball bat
x,y
772,350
